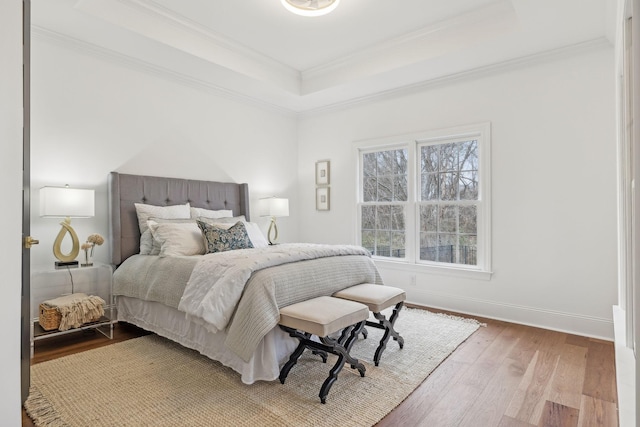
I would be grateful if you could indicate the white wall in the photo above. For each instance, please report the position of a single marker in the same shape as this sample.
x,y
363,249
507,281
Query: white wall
x,y
554,187
91,116
11,195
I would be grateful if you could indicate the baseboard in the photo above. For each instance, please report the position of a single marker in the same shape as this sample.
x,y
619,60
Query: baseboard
x,y
625,371
588,326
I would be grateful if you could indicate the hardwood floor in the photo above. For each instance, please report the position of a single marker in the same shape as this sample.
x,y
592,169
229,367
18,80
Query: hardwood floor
x,y
504,375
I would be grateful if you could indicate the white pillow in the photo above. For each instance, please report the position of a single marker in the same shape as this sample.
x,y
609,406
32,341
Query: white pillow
x,y
207,213
145,212
177,239
253,230
155,244
255,235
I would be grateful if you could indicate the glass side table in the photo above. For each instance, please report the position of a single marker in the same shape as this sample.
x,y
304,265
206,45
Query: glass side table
x,y
48,283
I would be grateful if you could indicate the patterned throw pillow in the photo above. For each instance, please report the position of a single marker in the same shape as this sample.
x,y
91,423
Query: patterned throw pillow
x,y
218,239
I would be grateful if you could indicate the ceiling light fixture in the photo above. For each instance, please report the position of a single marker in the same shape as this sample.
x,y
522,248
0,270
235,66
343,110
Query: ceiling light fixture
x,y
310,7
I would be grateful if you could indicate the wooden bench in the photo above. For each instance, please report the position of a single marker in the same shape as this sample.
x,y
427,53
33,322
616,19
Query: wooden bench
x,y
378,298
324,316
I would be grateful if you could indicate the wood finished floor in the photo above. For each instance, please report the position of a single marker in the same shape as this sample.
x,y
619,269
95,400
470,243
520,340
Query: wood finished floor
x,y
504,375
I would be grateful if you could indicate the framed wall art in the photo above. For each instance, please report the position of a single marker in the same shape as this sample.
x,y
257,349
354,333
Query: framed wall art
x,y
322,172
322,198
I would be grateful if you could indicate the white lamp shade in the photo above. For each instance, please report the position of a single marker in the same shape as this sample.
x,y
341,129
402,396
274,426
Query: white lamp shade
x,y
274,206
62,202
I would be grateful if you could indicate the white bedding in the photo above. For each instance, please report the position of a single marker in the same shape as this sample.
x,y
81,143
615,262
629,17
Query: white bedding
x,y
264,365
218,280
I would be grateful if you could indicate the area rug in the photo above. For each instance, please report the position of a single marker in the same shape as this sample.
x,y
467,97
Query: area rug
x,y
151,381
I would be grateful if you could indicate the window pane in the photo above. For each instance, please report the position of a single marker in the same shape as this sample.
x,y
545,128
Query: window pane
x,y
400,191
368,217
369,164
383,217
369,190
448,157
448,219
383,230
429,218
428,246
397,244
384,176
429,158
447,248
385,189
383,243
469,185
430,186
468,152
386,163
369,240
449,186
397,218
401,161
468,221
468,248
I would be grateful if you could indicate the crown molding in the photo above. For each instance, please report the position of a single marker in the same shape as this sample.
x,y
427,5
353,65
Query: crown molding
x,y
170,28
102,53
511,64
93,50
498,10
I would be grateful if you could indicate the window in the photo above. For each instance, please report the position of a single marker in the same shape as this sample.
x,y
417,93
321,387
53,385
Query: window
x,y
424,199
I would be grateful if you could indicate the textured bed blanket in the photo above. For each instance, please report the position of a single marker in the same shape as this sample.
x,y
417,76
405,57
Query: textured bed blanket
x,y
154,278
240,291
269,289
218,280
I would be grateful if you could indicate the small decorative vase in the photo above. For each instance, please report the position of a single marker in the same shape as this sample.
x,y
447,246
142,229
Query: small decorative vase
x,y
88,259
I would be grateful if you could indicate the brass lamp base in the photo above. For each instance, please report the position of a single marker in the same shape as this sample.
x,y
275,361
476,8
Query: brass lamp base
x,y
66,260
273,229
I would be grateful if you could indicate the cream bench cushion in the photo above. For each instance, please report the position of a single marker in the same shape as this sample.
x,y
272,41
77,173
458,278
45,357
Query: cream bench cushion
x,y
376,297
323,316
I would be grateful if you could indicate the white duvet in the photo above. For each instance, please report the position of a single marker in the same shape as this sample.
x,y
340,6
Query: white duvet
x,y
218,280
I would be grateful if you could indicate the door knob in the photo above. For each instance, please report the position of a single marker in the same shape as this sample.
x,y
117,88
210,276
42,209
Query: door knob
x,y
30,241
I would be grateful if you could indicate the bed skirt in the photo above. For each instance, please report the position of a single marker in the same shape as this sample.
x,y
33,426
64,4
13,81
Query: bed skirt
x,y
272,352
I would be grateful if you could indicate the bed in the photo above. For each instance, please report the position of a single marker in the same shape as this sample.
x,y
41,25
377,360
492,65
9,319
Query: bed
x,y
223,305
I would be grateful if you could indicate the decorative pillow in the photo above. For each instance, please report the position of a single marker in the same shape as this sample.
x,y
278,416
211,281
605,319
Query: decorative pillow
x,y
145,212
156,246
207,213
218,239
228,220
253,230
177,239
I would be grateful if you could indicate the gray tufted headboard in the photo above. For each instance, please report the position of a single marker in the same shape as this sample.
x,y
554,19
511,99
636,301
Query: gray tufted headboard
x,y
125,190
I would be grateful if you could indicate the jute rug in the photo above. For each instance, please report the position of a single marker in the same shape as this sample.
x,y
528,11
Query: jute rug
x,y
150,381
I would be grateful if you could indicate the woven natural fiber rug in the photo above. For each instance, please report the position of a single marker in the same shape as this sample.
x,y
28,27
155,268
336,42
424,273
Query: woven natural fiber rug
x,y
151,381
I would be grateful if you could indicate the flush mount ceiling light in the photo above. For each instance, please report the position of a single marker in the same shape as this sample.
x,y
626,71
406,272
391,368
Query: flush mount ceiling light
x,y
310,7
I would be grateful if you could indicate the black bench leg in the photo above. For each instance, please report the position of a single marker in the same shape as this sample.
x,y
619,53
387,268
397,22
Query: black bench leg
x,y
388,331
341,347
291,362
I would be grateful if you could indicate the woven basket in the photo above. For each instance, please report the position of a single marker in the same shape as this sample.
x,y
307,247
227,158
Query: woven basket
x,y
49,317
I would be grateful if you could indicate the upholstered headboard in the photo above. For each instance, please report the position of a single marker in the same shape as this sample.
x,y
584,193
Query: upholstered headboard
x,y
125,190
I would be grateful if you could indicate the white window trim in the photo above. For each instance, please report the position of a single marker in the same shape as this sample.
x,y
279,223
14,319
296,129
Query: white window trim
x,y
481,131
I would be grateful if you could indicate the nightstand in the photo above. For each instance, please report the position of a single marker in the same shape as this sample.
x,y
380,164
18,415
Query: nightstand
x,y
49,282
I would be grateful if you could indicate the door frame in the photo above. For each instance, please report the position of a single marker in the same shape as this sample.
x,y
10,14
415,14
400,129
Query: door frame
x,y
25,316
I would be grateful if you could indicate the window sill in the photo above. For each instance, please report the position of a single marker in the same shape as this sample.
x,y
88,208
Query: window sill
x,y
466,273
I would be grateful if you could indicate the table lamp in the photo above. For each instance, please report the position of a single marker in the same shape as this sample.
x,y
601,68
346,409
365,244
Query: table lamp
x,y
274,207
67,203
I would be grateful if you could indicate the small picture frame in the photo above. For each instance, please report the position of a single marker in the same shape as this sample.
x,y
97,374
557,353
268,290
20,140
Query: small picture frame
x,y
322,172
322,198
